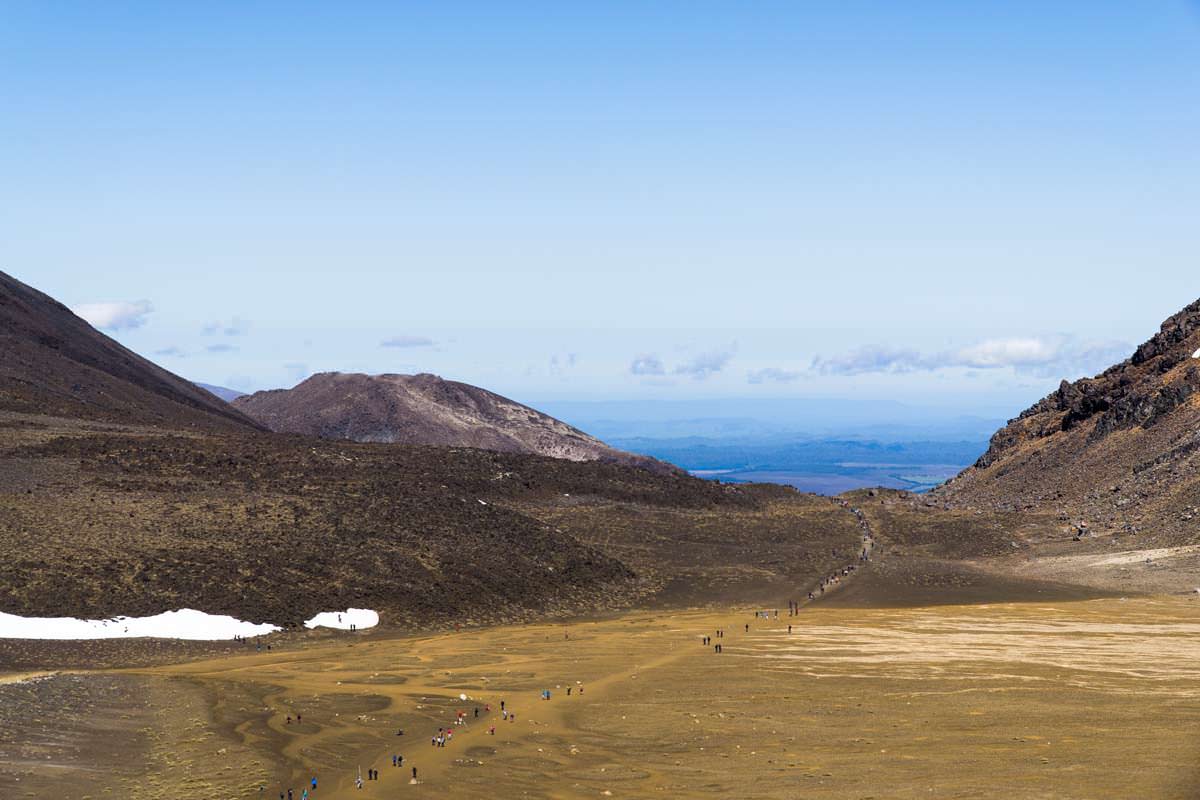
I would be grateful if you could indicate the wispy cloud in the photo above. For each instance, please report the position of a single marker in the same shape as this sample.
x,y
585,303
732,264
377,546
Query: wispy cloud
x,y
870,358
171,352
408,341
774,375
221,348
115,316
1041,356
647,365
704,365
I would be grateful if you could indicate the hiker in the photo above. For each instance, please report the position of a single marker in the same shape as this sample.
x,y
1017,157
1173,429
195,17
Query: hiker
x,y
476,712
492,731
501,705
393,759
298,718
568,691
789,628
314,783
747,627
414,773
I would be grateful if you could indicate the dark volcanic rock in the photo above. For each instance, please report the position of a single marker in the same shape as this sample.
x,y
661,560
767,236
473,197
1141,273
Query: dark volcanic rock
x,y
1137,420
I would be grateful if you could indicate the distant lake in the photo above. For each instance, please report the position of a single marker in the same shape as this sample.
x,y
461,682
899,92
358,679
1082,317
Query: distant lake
x,y
826,483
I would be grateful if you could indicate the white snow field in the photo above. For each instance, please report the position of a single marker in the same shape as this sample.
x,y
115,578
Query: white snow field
x,y
342,620
183,624
186,623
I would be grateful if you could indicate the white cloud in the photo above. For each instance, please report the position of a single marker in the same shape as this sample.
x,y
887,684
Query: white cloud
x,y
704,365
115,316
407,341
647,365
993,353
871,358
1042,356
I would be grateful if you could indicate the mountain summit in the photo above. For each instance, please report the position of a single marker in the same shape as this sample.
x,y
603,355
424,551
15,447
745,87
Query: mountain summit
x,y
1120,450
424,409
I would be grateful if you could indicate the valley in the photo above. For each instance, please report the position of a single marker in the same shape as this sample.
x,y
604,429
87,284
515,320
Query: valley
x,y
1090,699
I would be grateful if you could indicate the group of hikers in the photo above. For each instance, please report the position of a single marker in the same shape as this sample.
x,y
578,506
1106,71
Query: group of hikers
x,y
828,582
291,795
443,737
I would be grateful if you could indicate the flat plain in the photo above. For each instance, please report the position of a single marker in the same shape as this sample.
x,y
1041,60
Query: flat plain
x,y
1072,699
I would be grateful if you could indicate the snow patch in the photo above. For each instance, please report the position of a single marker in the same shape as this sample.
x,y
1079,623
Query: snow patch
x,y
186,623
342,620
1196,354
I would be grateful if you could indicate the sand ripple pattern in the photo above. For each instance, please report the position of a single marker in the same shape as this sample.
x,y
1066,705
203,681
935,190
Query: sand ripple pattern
x,y
1078,645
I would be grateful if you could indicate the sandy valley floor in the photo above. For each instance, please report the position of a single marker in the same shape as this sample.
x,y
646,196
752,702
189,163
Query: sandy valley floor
x,y
1070,700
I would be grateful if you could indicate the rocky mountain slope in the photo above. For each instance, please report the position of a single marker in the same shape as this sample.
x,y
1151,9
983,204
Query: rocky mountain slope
x,y
53,362
1119,452
424,409
126,490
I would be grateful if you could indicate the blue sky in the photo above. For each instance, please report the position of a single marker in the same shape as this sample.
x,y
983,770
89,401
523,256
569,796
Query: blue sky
x,y
937,202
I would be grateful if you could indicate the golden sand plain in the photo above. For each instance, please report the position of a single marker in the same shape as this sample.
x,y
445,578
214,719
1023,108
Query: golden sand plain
x,y
1095,699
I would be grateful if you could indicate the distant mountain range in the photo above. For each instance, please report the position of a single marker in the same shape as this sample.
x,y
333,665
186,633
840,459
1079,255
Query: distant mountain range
x,y
228,395
423,409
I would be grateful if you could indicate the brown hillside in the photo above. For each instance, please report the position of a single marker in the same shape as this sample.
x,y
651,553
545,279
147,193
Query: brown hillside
x,y
52,362
424,409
